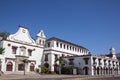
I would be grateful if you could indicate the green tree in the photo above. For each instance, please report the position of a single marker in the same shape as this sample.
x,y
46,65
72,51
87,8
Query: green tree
x,y
2,50
4,34
61,63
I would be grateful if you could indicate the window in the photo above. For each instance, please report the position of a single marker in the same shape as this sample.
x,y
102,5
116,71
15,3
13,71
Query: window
x,y
14,49
64,46
32,67
99,61
86,60
67,47
57,44
60,45
29,52
109,63
48,44
46,57
73,48
70,47
71,61
105,62
21,66
9,66
39,41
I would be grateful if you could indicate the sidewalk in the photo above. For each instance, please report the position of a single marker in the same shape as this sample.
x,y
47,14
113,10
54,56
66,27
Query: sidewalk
x,y
18,76
21,76
35,75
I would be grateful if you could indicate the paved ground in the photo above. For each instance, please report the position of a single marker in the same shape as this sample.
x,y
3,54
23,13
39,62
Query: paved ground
x,y
56,77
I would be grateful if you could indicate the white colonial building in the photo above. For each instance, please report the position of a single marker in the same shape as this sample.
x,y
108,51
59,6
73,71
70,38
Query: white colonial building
x,y
95,65
23,53
56,47
79,57
21,50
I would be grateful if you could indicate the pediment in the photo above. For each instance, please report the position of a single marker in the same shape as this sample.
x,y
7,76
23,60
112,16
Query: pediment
x,y
22,36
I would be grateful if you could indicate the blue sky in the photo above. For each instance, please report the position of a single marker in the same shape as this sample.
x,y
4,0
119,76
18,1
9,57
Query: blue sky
x,y
94,24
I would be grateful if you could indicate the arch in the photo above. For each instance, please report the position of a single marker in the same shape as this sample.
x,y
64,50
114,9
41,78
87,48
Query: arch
x,y
32,67
9,66
21,66
98,70
86,70
46,65
109,70
56,68
106,70
94,69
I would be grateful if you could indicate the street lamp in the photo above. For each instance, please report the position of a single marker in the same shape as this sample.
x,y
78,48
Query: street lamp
x,y
25,61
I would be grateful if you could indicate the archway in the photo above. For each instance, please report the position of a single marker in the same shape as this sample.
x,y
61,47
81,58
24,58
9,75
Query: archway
x,y
32,67
9,66
86,70
98,70
94,70
56,68
46,65
106,70
21,67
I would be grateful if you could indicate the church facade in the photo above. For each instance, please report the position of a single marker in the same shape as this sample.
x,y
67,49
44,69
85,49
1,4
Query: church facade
x,y
21,51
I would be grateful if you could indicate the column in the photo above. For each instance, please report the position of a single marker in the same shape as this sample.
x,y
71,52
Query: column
x,y
52,60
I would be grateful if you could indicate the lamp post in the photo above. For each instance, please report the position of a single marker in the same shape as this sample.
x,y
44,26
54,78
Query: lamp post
x,y
25,61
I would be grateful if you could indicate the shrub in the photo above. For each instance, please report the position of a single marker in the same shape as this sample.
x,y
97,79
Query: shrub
x,y
67,70
44,69
37,70
78,71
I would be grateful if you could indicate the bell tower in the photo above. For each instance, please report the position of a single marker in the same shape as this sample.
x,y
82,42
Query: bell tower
x,y
112,52
40,38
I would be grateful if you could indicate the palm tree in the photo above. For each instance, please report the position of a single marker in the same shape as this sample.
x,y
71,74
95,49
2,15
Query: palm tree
x,y
61,63
2,50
